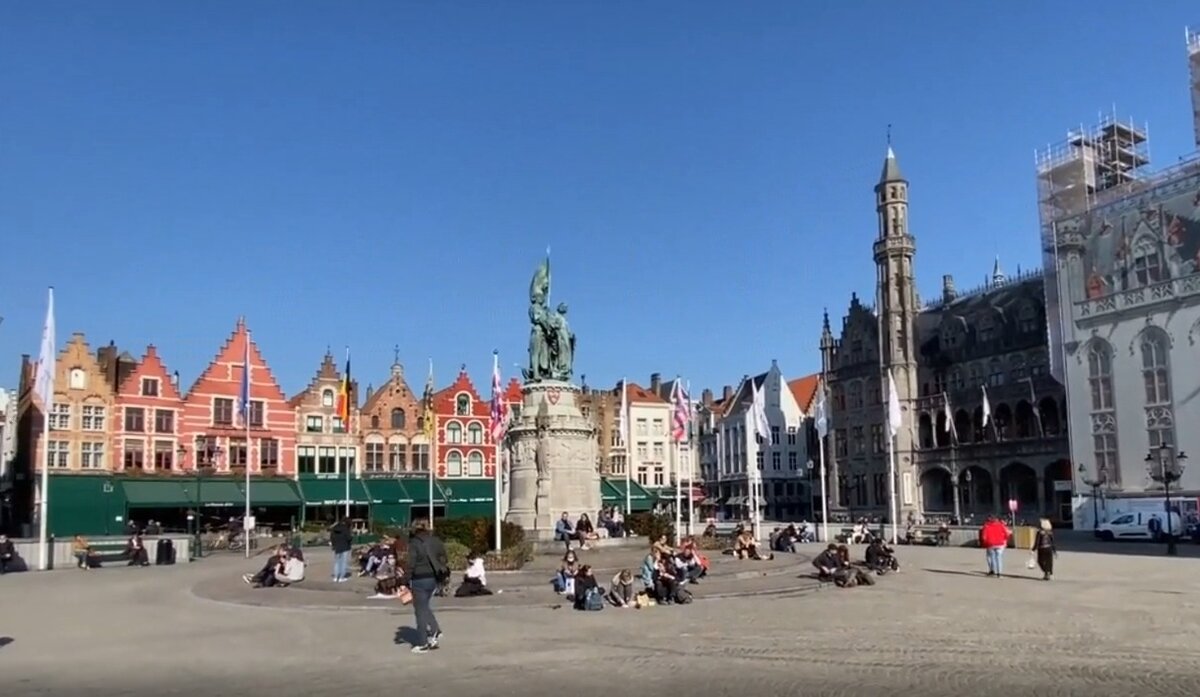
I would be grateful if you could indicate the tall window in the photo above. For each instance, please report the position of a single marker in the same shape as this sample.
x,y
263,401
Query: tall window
x,y
397,418
374,455
774,435
135,454
475,434
149,387
462,405
91,456
475,464
856,395
1027,319
57,453
93,418
60,417
1147,264
397,456
164,421
239,452
222,411
1103,413
879,486
454,464
758,459
1156,376
453,433
306,459
877,438
420,457
793,460
164,455
135,419
256,414
856,434
777,460
326,460
314,424
347,459
268,453
327,398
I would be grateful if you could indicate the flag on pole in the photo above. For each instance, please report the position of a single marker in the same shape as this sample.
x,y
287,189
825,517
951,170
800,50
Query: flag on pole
x,y
343,398
1037,413
822,418
949,426
987,407
623,415
43,381
244,391
500,413
895,418
762,425
428,419
681,415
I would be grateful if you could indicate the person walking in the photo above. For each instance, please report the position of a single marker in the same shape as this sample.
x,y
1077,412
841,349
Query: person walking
x,y
1044,550
427,569
341,540
993,537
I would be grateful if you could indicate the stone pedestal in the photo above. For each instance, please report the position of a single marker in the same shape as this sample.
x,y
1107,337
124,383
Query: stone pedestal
x,y
554,460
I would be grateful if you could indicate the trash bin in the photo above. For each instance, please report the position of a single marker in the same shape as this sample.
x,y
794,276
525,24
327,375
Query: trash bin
x,y
1023,537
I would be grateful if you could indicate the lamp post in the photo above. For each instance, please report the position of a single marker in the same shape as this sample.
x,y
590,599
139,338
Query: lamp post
x,y
1166,467
967,476
812,491
1094,484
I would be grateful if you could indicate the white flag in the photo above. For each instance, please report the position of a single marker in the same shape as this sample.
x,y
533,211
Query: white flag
x,y
762,425
822,419
987,407
623,414
43,382
949,427
894,416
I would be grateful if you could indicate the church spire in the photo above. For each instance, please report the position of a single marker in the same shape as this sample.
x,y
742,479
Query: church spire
x,y
891,168
998,276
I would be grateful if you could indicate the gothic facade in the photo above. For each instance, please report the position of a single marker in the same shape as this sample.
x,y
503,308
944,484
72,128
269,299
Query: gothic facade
x,y
946,359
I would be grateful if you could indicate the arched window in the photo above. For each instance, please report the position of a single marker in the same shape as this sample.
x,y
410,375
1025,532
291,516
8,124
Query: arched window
x,y
1156,375
454,464
453,432
475,465
1103,413
475,434
327,398
374,420
398,418
78,379
462,405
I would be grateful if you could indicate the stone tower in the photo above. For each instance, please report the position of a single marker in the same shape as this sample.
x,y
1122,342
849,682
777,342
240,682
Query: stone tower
x,y
897,310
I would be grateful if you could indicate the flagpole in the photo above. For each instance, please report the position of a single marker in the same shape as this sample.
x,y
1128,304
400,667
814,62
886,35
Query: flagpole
x,y
43,538
892,484
431,436
44,382
497,397
691,504
624,419
246,420
824,493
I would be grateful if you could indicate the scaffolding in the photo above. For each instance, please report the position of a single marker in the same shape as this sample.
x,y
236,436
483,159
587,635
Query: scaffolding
x,y
1193,44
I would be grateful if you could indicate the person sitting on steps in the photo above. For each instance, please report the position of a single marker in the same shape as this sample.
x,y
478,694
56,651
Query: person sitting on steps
x,y
565,532
880,558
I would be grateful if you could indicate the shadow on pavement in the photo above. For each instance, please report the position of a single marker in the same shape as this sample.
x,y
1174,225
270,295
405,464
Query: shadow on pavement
x,y
979,574
408,635
5,641
1085,542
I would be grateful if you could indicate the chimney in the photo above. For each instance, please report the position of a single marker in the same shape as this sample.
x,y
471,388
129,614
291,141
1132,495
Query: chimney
x,y
655,382
948,291
706,397
727,392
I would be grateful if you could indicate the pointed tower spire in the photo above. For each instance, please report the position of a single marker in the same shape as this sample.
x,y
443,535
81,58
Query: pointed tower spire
x,y
997,273
891,168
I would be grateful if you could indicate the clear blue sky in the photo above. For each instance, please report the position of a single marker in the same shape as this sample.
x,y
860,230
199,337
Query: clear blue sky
x,y
381,173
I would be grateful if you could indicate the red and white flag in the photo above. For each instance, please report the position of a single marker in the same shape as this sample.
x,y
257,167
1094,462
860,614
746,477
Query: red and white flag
x,y
500,414
682,411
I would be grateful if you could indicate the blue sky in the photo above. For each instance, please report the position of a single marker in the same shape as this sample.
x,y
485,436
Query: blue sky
x,y
387,173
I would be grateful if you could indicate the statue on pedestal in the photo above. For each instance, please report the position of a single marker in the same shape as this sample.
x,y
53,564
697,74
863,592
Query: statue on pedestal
x,y
551,342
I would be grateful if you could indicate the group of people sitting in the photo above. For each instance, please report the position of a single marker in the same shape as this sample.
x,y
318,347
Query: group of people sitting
x,y
786,539
609,523
664,575
834,565
284,567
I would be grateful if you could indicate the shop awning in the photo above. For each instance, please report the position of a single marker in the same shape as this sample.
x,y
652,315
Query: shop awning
x,y
418,488
612,493
220,492
272,492
387,491
164,493
470,497
332,492
736,501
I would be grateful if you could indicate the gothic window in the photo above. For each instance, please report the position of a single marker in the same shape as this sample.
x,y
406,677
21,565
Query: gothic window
x,y
956,379
398,418
856,395
995,373
462,405
1103,414
327,398
987,329
1147,263
976,375
1156,375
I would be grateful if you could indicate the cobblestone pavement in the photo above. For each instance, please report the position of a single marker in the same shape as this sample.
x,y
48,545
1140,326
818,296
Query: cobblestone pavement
x,y
1108,625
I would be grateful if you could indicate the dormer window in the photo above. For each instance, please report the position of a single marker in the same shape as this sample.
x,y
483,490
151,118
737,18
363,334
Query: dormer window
x,y
462,405
987,330
149,387
1027,320
78,379
327,398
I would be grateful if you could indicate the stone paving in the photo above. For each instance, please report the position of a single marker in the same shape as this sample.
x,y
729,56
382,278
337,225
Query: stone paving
x,y
1119,625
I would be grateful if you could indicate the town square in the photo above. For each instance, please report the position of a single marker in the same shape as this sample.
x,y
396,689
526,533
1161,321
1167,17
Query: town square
x,y
534,347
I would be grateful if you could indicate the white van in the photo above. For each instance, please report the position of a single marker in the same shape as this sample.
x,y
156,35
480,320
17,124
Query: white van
x,y
1135,525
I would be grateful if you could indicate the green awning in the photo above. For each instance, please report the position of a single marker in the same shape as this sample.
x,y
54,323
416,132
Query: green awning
x,y
419,489
221,492
470,497
273,492
612,493
85,504
332,492
387,491
165,493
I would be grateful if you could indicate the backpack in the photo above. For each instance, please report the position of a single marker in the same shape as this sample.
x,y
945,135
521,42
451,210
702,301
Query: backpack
x,y
683,596
594,600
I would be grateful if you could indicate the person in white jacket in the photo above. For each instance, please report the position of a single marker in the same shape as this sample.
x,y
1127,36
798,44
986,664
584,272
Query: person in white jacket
x,y
292,572
474,580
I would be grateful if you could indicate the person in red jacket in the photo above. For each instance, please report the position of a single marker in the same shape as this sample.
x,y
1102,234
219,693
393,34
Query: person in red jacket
x,y
993,537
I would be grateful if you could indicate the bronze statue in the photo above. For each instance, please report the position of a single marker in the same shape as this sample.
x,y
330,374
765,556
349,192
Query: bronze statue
x,y
551,342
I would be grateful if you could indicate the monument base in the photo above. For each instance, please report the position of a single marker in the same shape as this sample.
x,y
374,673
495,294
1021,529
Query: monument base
x,y
554,466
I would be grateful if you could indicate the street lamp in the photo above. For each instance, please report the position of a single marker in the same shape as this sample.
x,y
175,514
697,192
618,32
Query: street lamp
x,y
812,491
967,476
1095,484
1166,467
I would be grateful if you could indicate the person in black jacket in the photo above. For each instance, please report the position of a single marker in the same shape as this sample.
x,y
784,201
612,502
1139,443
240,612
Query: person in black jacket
x,y
427,569
8,554
341,540
827,563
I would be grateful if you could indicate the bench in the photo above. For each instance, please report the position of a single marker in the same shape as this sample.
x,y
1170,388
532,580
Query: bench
x,y
108,552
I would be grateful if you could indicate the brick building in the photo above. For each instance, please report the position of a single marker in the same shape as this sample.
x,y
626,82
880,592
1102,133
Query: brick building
x,y
324,445
145,419
391,435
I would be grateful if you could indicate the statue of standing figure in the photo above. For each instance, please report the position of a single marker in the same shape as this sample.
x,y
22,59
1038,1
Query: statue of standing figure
x,y
551,342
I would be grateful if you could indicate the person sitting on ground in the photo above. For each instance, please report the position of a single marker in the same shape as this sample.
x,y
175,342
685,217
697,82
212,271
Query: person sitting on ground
x,y
474,579
265,576
697,561
8,554
827,562
565,532
661,547
85,557
710,530
370,558
588,594
666,584
290,571
746,547
859,533
564,580
622,592
585,530
686,568
386,568
135,551
805,533
943,534
618,522
649,562
880,558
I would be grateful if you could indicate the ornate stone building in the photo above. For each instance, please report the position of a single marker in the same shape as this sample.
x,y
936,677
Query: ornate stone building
x,y
942,357
465,446
392,437
324,445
